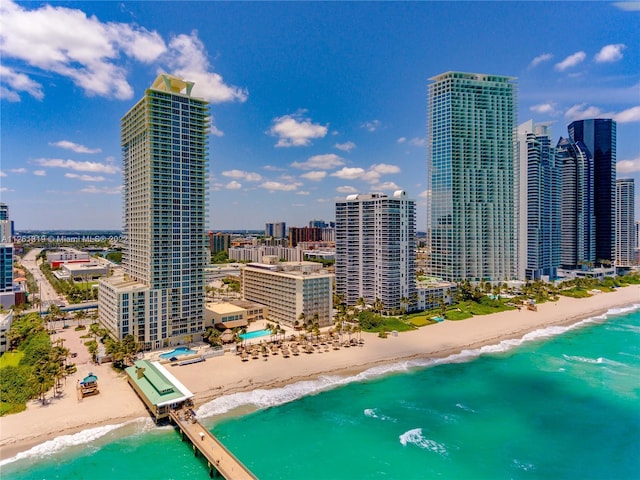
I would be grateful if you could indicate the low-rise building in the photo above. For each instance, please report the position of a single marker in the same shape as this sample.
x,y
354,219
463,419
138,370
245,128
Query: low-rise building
x,y
432,292
6,319
66,255
293,291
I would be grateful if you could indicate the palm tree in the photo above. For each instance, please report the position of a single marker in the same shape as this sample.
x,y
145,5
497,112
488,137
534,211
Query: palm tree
x,y
378,306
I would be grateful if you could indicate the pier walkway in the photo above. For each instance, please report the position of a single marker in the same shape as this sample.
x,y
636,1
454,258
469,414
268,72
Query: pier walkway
x,y
219,459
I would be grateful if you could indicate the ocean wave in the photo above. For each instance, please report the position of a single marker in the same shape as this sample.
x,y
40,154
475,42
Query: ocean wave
x,y
462,406
595,361
265,398
415,437
373,413
84,437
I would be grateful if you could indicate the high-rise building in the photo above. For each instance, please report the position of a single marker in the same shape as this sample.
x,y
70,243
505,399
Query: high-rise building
x,y
219,242
160,299
539,223
472,176
625,220
275,230
375,249
577,234
7,294
599,136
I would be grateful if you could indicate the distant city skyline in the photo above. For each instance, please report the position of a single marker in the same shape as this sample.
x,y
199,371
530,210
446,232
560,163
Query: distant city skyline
x,y
310,102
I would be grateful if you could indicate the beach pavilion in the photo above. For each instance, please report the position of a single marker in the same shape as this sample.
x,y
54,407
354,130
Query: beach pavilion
x,y
158,388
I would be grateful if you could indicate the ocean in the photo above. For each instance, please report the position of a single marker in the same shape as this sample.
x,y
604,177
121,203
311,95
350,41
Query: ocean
x,y
563,402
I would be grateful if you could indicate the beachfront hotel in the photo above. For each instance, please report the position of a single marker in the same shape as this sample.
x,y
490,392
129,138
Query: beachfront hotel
x,y
539,204
625,216
375,250
472,177
293,291
160,297
599,136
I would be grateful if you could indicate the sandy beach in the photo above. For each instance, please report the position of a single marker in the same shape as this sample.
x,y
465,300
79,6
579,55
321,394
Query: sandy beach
x,y
117,402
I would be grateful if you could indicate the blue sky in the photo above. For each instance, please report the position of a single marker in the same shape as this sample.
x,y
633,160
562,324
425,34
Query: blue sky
x,y
310,101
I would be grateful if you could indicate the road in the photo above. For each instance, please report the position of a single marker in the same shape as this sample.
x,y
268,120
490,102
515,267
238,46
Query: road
x,y
47,293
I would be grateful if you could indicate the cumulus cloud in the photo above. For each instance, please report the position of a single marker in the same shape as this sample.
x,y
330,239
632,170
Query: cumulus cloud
x,y
74,147
346,146
241,174
610,53
315,176
187,58
215,131
628,166
104,190
386,186
320,162
349,173
544,57
371,175
418,142
543,108
571,61
272,186
2,174
233,185
94,167
40,173
18,82
384,168
372,126
630,115
347,189
295,130
66,42
19,171
273,168
402,140
302,192
582,111
85,178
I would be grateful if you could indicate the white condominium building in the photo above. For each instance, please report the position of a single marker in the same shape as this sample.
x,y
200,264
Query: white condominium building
x,y
164,170
472,177
293,291
625,219
375,250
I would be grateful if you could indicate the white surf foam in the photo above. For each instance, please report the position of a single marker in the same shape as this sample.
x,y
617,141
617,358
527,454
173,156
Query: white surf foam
x,y
462,406
57,444
415,437
263,398
373,413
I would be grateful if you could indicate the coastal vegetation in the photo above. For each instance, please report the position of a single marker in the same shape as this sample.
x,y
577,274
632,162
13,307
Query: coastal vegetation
x,y
76,292
32,366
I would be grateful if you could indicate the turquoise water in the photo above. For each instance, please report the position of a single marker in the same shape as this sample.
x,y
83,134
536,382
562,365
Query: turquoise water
x,y
254,334
177,352
561,403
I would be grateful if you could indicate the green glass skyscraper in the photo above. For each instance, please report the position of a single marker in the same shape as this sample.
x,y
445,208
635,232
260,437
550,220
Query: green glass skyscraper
x,y
471,169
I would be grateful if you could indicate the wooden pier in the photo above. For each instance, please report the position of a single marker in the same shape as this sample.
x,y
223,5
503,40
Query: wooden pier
x,y
219,460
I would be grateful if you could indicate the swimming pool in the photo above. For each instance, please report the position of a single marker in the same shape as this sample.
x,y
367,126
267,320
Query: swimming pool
x,y
177,352
254,334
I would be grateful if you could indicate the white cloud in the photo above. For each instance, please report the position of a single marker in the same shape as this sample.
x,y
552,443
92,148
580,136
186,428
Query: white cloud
x,y
233,185
571,61
402,140
74,147
610,53
18,170
215,131
302,192
425,194
346,189
630,115
67,42
187,58
320,162
315,176
582,111
346,146
278,186
2,174
349,173
241,174
85,178
94,167
539,59
372,126
5,189
386,186
273,168
384,168
628,166
295,131
40,173
418,142
544,108
18,82
105,190
628,6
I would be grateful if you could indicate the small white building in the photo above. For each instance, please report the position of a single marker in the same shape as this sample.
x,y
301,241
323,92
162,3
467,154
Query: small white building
x,y
432,291
6,319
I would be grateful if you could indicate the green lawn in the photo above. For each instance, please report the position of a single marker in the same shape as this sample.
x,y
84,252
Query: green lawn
x,y
10,359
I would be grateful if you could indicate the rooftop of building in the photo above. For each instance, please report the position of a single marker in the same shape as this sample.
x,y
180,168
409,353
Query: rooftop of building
x,y
157,383
123,282
223,308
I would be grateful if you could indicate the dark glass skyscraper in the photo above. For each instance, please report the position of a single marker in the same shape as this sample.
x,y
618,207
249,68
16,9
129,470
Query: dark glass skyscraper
x,y
599,136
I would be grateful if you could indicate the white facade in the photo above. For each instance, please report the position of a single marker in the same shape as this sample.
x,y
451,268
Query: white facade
x,y
432,293
375,249
625,222
256,254
289,290
67,255
6,319
164,170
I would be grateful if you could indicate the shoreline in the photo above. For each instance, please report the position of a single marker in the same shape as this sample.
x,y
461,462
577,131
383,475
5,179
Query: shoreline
x,y
227,375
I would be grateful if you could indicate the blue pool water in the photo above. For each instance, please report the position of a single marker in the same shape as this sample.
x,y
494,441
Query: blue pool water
x,y
177,352
255,334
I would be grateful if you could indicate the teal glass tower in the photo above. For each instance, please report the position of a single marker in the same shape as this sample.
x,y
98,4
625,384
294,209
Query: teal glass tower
x,y
471,176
